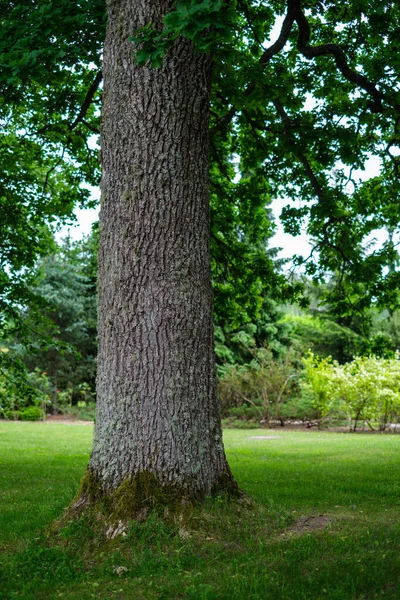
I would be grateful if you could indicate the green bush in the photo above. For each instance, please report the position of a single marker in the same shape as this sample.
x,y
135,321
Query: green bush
x,y
11,415
259,389
233,423
20,390
85,412
366,389
299,409
31,413
245,412
319,385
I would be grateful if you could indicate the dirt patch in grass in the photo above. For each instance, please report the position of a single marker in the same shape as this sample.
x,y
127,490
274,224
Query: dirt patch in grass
x,y
305,525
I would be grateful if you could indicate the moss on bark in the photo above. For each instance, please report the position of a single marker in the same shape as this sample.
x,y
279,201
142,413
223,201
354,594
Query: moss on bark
x,y
227,486
141,493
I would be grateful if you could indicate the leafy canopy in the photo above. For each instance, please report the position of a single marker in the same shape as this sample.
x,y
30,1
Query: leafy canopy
x,y
50,56
298,117
305,114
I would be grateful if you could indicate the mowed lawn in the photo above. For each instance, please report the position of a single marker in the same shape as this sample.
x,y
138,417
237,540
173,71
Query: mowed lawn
x,y
325,523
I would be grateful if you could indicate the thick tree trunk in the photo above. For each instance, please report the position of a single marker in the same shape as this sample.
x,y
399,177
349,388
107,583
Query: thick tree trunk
x,y
157,408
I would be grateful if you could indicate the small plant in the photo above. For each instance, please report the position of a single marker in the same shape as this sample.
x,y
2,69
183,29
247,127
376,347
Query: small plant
x,y
367,389
259,388
9,400
20,390
319,384
31,413
86,392
41,383
64,398
12,415
82,411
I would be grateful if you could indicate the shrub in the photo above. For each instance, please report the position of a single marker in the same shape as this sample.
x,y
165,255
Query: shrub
x,y
86,412
258,389
20,390
299,409
31,413
12,415
321,376
41,384
367,389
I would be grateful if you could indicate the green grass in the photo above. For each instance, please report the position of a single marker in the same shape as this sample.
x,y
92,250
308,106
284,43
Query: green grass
x,y
222,551
40,470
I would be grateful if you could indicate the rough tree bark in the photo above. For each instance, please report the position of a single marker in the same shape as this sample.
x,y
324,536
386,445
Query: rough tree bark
x,y
157,420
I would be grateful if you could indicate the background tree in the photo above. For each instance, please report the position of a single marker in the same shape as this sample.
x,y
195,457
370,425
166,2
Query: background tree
x,y
328,331
50,59
66,282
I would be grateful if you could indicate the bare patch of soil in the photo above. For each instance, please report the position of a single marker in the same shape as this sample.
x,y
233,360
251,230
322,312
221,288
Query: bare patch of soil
x,y
307,525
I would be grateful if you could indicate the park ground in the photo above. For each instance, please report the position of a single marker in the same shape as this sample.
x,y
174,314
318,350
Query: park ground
x,y
324,524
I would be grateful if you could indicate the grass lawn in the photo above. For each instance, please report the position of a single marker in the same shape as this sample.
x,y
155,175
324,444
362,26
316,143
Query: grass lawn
x,y
326,524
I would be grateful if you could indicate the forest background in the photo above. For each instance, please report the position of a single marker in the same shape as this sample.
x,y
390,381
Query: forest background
x,y
344,305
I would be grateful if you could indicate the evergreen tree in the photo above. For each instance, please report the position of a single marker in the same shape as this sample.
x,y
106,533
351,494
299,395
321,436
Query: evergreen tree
x,y
65,284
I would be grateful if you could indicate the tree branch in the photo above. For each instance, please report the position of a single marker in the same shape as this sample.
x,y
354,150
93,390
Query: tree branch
x,y
88,100
310,52
302,157
282,39
295,14
224,121
92,129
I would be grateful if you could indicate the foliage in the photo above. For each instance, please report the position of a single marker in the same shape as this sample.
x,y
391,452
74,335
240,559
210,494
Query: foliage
x,y
41,383
19,388
320,328
65,281
259,388
31,413
60,114
234,344
261,113
207,24
50,56
23,395
298,118
30,395
367,389
64,398
82,411
387,324
58,362
320,374
323,336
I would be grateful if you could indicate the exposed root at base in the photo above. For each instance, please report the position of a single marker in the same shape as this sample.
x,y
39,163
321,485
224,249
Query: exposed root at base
x,y
115,530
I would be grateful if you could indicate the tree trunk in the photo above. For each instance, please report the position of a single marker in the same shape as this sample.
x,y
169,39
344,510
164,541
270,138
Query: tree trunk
x,y
54,367
157,408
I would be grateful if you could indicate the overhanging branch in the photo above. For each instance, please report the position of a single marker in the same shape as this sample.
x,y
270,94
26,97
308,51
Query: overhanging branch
x,y
88,100
311,52
300,155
